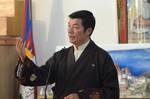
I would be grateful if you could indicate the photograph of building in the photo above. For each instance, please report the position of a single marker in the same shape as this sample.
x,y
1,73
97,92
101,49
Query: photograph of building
x,y
133,67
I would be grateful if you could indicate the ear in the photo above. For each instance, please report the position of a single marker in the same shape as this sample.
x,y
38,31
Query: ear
x,y
88,31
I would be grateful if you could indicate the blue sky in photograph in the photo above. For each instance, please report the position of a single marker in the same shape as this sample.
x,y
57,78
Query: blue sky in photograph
x,y
137,60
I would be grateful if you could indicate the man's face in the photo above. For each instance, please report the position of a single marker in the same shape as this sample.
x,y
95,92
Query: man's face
x,y
76,33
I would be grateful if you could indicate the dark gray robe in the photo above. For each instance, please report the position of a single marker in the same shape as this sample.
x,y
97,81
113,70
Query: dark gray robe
x,y
94,70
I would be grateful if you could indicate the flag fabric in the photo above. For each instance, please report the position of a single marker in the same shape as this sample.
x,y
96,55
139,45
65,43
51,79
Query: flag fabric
x,y
27,92
27,34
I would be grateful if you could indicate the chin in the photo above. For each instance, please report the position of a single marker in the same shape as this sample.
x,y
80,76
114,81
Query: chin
x,y
72,42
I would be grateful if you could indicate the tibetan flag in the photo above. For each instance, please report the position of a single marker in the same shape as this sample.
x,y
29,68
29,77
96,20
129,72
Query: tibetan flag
x,y
27,34
27,92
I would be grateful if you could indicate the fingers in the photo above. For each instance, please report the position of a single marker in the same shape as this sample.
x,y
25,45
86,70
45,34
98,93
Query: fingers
x,y
72,96
20,48
18,45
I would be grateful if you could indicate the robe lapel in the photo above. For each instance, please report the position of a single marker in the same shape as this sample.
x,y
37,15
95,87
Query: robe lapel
x,y
70,63
73,66
86,51
70,58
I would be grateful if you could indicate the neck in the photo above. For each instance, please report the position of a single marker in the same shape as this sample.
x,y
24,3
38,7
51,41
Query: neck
x,y
77,45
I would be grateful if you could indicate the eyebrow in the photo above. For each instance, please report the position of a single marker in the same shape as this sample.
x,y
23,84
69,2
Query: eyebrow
x,y
74,24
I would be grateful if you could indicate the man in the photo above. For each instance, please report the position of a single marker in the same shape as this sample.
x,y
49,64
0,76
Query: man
x,y
82,71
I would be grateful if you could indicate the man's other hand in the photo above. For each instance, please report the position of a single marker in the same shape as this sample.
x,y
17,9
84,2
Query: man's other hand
x,y
72,96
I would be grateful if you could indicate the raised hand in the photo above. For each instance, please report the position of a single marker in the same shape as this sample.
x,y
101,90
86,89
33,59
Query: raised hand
x,y
20,48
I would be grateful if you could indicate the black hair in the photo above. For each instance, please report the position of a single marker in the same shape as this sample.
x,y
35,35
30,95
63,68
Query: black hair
x,y
88,20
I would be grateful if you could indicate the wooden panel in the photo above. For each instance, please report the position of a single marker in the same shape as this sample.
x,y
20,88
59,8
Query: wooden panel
x,y
3,26
15,24
7,8
5,40
8,59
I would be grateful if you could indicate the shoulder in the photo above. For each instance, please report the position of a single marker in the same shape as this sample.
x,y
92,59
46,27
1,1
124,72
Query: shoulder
x,y
61,53
97,49
102,53
63,50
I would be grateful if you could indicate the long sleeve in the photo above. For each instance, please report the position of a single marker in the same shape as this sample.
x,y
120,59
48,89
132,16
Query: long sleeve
x,y
110,89
32,75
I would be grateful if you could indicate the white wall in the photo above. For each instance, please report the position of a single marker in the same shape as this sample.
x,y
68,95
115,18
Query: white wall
x,y
50,19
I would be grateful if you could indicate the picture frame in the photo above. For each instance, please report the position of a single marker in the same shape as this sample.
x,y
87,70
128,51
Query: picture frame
x,y
134,21
132,63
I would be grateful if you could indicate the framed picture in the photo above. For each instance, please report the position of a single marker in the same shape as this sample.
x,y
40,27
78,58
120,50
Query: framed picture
x,y
134,21
133,65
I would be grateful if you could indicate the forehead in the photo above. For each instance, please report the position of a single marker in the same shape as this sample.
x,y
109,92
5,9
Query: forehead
x,y
75,21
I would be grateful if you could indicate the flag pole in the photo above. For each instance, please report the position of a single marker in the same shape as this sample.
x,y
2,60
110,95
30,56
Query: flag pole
x,y
35,88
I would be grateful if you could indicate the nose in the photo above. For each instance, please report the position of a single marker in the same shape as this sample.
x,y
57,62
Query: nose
x,y
70,30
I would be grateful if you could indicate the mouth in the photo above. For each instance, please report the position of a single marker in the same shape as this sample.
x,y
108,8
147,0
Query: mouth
x,y
70,36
